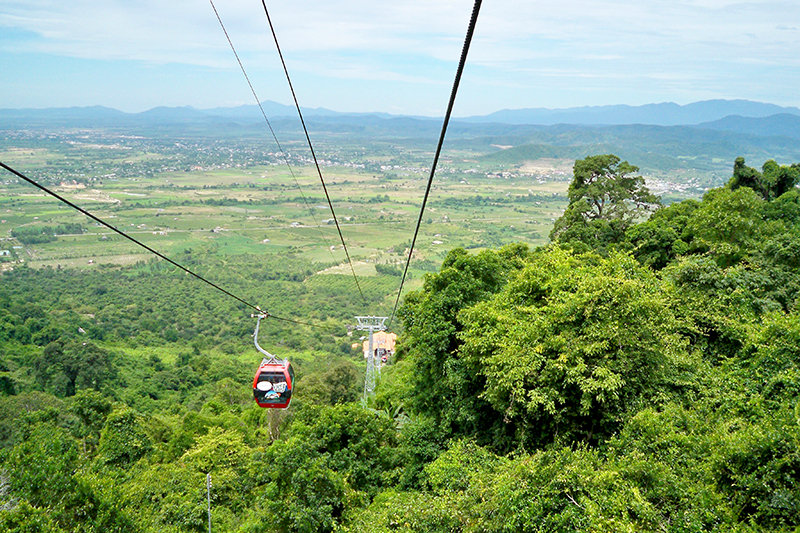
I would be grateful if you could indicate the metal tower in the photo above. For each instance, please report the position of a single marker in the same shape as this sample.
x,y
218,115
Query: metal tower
x,y
371,324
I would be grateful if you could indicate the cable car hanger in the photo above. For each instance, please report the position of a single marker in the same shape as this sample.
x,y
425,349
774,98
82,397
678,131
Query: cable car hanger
x,y
270,358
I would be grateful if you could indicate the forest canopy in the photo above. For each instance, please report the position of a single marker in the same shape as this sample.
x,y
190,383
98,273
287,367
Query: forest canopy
x,y
640,373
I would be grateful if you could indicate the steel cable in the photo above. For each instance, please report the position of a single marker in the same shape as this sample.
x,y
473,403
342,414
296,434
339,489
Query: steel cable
x,y
468,39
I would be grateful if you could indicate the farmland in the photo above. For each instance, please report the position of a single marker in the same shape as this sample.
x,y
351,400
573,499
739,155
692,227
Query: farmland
x,y
239,198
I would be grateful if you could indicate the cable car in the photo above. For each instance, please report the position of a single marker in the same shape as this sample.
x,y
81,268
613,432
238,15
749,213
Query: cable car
x,y
272,384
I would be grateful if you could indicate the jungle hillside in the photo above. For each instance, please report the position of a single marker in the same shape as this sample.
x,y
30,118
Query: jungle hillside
x,y
587,342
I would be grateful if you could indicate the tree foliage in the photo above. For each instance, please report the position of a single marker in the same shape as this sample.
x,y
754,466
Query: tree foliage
x,y
638,375
572,343
445,386
605,199
64,368
773,181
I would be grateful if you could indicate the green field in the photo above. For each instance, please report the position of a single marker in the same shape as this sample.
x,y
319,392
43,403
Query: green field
x,y
232,196
234,208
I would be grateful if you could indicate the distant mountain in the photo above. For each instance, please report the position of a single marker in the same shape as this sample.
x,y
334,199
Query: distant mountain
x,y
60,116
782,124
654,149
105,116
709,145
666,114
172,113
276,110
252,113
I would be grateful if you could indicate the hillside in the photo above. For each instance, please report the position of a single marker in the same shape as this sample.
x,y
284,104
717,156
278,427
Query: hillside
x,y
638,375
658,149
780,125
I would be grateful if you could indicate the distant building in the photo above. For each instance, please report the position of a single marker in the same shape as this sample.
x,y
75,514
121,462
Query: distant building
x,y
5,253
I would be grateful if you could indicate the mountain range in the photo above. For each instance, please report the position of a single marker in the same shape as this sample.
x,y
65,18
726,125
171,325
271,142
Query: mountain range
x,y
704,136
664,114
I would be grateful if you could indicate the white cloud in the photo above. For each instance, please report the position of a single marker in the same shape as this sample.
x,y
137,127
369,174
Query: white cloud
x,y
186,30
410,41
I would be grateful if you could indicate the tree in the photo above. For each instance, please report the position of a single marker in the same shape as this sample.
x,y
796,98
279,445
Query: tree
x,y
773,180
123,440
92,408
664,236
561,490
573,344
338,383
605,199
445,387
779,179
64,368
332,458
171,498
729,224
44,470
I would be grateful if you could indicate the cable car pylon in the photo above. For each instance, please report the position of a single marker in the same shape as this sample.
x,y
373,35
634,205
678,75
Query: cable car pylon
x,y
371,324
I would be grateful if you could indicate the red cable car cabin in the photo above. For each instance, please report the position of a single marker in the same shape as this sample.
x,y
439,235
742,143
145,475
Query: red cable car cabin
x,y
272,384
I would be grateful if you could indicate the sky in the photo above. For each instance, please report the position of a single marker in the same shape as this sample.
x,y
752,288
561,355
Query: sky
x,y
398,56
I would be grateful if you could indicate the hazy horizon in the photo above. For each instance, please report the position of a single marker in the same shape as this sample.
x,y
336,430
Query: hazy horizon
x,y
291,107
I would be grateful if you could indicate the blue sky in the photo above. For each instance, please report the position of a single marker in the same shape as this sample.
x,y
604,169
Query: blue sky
x,y
398,56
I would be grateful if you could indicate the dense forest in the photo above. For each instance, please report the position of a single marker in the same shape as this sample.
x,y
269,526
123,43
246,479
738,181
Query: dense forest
x,y
640,373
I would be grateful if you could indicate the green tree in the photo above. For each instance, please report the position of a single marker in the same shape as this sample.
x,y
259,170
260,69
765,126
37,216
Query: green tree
x,y
560,490
667,456
755,465
574,344
123,440
605,199
729,224
714,309
461,465
24,518
64,368
170,498
395,511
664,236
332,459
444,386
773,180
44,470
92,408
338,383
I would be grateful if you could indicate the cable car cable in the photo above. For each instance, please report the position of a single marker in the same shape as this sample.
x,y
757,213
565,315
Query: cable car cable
x,y
468,39
139,243
269,125
311,147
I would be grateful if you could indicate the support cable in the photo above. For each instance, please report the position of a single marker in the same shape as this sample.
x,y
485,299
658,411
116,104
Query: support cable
x,y
269,125
311,147
470,31
139,243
